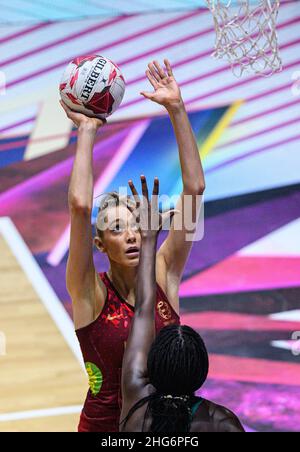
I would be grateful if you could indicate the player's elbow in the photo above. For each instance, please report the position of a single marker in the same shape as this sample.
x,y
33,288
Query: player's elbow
x,y
195,189
200,189
79,205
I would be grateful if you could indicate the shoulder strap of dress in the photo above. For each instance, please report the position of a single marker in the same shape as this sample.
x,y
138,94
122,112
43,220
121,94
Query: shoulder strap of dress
x,y
103,277
196,406
112,289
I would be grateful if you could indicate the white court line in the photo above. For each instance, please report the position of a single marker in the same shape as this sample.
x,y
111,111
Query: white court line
x,y
21,415
288,316
41,285
284,345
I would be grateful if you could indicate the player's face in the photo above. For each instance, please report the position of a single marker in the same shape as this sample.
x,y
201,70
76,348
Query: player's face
x,y
121,234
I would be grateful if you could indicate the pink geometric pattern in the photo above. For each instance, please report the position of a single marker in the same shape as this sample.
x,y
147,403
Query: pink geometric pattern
x,y
241,274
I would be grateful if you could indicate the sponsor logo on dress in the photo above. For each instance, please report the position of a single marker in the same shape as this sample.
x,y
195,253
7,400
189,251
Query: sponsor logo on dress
x,y
164,310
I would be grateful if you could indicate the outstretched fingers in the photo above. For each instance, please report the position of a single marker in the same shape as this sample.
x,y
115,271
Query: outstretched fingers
x,y
154,72
168,67
159,69
134,193
151,79
155,187
154,200
144,188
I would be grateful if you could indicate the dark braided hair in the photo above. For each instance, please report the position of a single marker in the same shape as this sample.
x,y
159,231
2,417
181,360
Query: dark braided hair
x,y
177,367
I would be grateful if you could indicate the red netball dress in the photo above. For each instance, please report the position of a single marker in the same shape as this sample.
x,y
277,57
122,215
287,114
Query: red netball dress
x,y
102,344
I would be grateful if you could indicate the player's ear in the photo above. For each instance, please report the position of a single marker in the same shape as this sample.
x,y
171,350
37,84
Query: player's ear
x,y
98,243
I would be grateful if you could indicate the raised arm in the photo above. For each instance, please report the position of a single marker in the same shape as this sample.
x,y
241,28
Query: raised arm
x,y
175,250
81,278
142,333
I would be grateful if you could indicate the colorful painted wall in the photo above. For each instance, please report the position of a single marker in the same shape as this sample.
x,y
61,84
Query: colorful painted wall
x,y
241,287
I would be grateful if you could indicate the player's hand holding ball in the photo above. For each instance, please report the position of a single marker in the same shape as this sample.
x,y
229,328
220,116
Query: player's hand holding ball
x,y
80,120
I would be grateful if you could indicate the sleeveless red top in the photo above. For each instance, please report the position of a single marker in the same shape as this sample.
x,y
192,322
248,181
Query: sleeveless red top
x,y
102,344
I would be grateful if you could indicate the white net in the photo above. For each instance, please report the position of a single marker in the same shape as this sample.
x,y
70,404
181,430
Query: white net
x,y
246,35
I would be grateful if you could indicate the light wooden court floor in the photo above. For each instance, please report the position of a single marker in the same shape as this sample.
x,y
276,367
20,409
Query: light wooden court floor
x,y
42,383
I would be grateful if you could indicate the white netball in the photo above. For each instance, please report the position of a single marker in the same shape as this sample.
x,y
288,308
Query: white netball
x,y
92,85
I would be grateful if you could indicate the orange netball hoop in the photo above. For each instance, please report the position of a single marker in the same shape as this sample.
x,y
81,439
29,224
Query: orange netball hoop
x,y
246,35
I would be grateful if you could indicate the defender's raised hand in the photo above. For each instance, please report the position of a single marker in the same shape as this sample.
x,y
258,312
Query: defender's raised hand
x,y
148,216
166,90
